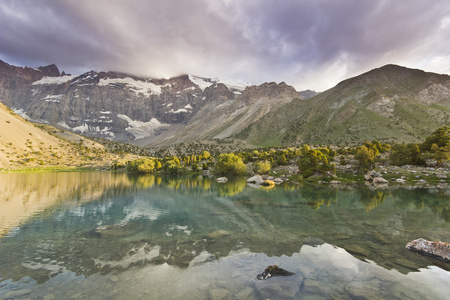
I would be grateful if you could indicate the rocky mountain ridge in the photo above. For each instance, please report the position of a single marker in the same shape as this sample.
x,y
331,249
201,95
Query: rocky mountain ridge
x,y
128,108
391,104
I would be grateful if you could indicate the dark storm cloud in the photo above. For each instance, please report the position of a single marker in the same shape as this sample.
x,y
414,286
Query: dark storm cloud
x,y
310,43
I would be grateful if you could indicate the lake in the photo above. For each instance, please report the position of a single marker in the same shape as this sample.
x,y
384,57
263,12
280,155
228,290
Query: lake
x,y
101,235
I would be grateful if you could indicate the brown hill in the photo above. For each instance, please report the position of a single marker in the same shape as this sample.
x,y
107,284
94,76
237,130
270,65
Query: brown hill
x,y
25,145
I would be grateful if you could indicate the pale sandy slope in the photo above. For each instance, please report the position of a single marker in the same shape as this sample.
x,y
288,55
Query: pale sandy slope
x,y
18,137
23,145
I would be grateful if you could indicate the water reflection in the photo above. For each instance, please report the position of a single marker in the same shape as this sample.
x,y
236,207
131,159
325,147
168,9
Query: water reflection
x,y
25,195
195,232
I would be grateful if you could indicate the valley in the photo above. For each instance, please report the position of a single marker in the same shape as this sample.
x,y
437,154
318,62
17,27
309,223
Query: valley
x,y
104,119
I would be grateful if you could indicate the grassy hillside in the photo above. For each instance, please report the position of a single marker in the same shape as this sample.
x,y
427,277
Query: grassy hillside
x,y
390,104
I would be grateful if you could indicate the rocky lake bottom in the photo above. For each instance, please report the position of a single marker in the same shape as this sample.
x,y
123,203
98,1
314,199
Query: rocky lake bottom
x,y
101,235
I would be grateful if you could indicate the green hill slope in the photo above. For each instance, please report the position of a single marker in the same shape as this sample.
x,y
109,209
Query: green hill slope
x,y
390,104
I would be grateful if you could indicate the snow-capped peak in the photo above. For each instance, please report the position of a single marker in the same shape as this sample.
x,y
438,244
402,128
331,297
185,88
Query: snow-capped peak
x,y
233,85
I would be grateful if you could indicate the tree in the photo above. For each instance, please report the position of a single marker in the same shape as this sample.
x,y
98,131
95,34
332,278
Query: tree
x,y
230,164
440,137
141,165
172,165
261,166
314,161
205,154
405,154
365,157
282,160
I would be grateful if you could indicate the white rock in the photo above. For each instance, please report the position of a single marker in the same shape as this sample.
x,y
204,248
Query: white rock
x,y
222,179
378,180
255,179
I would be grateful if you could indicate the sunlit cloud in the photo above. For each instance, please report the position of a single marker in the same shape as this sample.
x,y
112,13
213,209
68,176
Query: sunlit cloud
x,y
309,44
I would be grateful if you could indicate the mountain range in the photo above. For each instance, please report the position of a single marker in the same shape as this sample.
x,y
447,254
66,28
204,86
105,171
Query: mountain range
x,y
390,104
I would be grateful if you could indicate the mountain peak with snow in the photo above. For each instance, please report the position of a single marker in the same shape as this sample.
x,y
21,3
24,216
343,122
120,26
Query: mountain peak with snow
x,y
233,85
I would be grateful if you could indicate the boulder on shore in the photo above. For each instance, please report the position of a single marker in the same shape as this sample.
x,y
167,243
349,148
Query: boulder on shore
x,y
256,179
371,175
379,180
437,249
278,180
335,182
222,179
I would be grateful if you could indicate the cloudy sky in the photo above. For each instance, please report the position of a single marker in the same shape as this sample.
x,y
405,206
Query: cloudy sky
x,y
310,44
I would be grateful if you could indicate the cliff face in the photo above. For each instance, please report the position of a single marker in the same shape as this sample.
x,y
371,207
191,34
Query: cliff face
x,y
391,104
14,81
129,108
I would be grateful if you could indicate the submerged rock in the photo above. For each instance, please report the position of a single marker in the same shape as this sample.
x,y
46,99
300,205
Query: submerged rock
x,y
220,294
437,249
222,179
217,234
119,230
272,271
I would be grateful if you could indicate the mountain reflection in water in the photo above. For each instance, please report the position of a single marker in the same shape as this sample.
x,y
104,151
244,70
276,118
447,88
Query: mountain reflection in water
x,y
98,229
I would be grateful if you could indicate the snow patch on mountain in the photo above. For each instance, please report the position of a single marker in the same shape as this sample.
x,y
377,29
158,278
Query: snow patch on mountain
x,y
53,98
53,80
232,85
64,125
141,129
21,113
201,82
82,128
138,86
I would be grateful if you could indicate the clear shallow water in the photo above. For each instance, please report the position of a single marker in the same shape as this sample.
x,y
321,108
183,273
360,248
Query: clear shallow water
x,y
105,235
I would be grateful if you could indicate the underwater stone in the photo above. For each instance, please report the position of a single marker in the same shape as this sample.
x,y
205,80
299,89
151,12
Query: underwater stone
x,y
272,271
217,234
433,248
357,250
220,294
247,293
17,293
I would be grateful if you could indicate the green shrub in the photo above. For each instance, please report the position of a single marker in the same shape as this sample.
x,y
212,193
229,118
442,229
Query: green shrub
x,y
405,154
366,158
261,167
230,164
141,165
314,161
173,166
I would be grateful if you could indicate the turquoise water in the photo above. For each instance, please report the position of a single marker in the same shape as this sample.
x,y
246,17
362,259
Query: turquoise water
x,y
112,236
